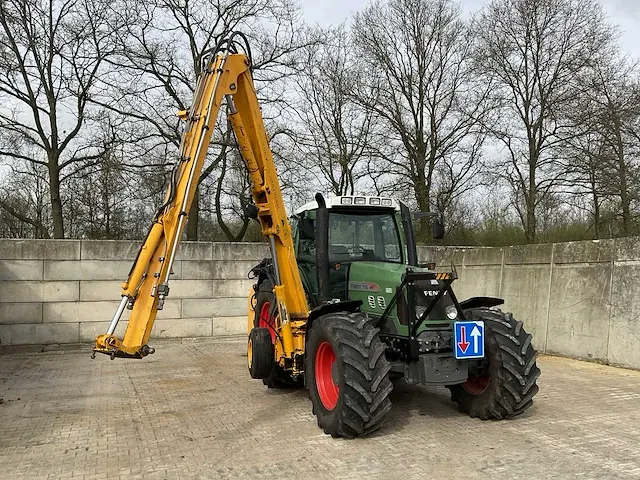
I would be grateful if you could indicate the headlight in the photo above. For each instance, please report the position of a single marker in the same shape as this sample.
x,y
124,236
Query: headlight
x,y
420,311
452,313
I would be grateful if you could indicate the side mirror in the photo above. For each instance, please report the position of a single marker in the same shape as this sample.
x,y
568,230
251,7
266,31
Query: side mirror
x,y
307,229
437,229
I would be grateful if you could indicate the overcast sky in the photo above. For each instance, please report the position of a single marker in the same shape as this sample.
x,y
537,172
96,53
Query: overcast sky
x,y
625,13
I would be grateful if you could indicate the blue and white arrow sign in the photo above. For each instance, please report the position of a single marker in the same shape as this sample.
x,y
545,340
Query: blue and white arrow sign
x,y
469,339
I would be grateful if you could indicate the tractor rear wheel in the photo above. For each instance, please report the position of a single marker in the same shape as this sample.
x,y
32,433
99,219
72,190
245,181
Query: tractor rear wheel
x,y
503,384
265,317
347,374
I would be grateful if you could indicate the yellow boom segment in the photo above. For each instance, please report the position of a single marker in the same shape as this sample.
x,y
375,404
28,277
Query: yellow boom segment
x,y
226,79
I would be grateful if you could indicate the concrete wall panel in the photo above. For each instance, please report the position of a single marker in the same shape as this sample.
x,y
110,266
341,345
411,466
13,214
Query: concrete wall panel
x,y
20,270
91,291
182,327
528,254
90,330
232,288
240,251
109,250
525,289
442,256
230,325
483,256
86,270
199,251
190,289
597,251
12,313
33,291
57,333
218,269
624,333
579,311
477,281
18,334
213,307
99,311
627,249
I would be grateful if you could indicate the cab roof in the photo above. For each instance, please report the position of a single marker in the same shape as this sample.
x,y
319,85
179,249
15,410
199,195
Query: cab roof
x,y
359,201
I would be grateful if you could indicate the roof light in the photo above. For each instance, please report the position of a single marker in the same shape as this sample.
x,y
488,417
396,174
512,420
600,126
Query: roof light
x,y
346,201
361,201
374,201
386,202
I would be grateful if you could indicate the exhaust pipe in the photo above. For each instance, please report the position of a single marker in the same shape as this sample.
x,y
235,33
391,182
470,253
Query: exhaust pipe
x,y
409,234
322,250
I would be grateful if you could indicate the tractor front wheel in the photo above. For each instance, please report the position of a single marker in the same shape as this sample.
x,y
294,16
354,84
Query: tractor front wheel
x,y
503,384
347,374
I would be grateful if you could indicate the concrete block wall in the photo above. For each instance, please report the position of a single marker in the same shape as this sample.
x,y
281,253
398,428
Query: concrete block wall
x,y
66,291
579,299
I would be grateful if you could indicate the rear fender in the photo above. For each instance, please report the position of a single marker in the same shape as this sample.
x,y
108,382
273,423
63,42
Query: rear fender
x,y
250,310
346,306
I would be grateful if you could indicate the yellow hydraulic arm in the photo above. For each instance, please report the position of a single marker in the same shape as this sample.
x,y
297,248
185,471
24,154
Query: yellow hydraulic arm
x,y
225,78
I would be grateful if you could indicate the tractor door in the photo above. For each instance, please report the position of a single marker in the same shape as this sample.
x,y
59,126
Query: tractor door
x,y
303,231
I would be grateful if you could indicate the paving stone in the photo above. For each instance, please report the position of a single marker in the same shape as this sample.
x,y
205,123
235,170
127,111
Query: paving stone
x,y
191,411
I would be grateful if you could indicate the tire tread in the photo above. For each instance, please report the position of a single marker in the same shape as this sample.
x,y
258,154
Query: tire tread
x,y
365,399
512,391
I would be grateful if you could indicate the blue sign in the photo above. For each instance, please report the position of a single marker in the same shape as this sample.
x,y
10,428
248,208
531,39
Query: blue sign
x,y
469,339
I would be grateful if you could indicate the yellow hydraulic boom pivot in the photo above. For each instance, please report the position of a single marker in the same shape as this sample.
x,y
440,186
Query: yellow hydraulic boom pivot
x,y
226,77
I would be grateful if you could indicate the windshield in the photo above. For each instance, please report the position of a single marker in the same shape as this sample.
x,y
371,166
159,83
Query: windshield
x,y
369,237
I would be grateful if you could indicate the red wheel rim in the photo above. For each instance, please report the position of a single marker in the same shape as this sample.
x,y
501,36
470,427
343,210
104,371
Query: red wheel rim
x,y
476,385
327,388
266,320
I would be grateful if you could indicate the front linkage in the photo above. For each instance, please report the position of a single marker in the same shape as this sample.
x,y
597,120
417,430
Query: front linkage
x,y
409,284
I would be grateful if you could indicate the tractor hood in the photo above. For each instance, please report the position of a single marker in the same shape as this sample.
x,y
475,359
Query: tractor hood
x,y
375,284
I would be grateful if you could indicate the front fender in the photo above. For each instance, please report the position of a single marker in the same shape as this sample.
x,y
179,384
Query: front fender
x,y
478,302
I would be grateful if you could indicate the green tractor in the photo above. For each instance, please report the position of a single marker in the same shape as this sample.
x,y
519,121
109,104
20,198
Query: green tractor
x,y
378,315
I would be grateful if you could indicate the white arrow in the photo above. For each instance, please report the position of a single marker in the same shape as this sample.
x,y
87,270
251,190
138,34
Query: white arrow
x,y
475,333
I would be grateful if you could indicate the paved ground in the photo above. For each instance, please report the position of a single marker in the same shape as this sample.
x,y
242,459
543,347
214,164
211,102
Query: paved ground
x,y
191,411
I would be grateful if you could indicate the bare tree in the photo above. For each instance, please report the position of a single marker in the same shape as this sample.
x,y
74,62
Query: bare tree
x,y
51,53
585,151
616,94
23,201
162,54
337,136
418,55
534,52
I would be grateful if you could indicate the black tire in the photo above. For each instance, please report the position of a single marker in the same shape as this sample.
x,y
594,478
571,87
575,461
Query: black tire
x,y
509,364
263,295
360,371
259,353
277,378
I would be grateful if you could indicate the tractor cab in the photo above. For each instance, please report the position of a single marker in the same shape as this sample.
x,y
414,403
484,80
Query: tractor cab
x,y
360,229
